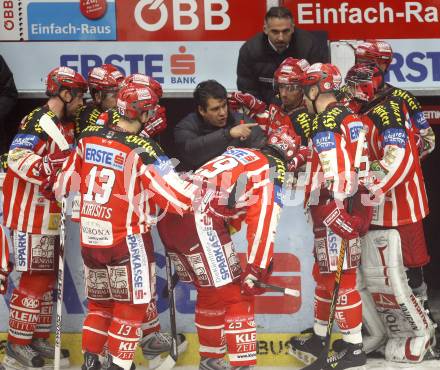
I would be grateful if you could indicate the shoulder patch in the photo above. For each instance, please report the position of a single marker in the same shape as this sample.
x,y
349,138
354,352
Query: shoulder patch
x,y
388,114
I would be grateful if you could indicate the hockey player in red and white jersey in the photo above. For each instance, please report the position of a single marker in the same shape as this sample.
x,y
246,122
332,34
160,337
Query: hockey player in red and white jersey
x,y
291,112
118,174
104,83
244,184
153,341
400,204
380,53
330,180
33,157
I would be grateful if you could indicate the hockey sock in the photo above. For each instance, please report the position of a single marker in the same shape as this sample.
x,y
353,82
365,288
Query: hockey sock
x,y
24,310
124,332
44,324
349,315
241,334
95,328
151,322
210,324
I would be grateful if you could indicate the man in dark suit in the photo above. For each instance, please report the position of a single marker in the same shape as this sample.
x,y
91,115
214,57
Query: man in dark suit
x,y
261,55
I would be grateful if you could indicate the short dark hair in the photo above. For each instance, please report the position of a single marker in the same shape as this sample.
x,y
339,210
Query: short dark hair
x,y
278,12
208,89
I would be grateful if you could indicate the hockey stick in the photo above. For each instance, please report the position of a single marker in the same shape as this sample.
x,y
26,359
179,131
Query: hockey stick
x,y
48,125
171,359
321,361
276,288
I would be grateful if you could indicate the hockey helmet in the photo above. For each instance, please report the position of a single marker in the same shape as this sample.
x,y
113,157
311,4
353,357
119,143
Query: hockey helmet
x,y
65,77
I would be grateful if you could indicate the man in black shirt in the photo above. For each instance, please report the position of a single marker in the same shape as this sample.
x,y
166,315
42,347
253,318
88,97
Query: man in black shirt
x,y
208,132
261,55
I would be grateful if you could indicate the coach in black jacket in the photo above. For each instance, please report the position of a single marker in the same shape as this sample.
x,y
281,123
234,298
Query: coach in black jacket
x,y
208,132
261,55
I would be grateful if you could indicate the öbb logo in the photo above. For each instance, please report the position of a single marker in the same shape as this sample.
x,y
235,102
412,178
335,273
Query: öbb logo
x,y
152,15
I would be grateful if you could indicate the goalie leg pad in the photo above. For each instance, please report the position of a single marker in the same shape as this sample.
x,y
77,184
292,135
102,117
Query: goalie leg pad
x,y
400,311
374,335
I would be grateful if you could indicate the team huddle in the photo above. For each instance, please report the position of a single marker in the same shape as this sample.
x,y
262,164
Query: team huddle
x,y
355,149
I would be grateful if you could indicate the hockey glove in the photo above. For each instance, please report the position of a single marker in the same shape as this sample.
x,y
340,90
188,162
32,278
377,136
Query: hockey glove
x,y
52,163
46,187
337,219
299,159
252,274
156,124
250,104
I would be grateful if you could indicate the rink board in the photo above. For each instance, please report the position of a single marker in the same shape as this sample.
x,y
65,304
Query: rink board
x,y
271,347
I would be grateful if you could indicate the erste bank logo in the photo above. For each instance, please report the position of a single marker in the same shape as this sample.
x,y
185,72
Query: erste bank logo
x,y
183,67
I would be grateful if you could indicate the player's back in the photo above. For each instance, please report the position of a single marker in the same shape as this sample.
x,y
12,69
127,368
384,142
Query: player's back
x,y
113,186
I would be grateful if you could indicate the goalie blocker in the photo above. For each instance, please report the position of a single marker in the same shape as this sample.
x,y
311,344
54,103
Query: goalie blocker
x,y
395,316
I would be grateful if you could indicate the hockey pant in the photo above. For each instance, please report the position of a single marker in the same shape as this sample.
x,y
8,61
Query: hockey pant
x,y
119,292
31,304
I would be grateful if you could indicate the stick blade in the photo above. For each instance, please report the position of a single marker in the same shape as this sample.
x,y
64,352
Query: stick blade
x,y
167,364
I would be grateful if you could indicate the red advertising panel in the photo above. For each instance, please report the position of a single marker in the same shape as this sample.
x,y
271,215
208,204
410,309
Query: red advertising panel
x,y
189,20
432,114
360,19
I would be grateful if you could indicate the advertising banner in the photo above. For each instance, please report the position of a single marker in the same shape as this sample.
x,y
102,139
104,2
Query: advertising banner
x,y
60,20
189,20
432,114
415,66
178,66
359,19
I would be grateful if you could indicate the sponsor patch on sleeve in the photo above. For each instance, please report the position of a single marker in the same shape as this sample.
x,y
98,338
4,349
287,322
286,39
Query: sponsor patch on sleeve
x,y
324,140
395,136
25,141
420,121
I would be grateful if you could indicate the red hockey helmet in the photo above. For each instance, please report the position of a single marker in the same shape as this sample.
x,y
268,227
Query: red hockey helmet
x,y
133,101
142,80
65,77
322,75
364,81
374,51
284,141
301,63
288,74
105,78
337,77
